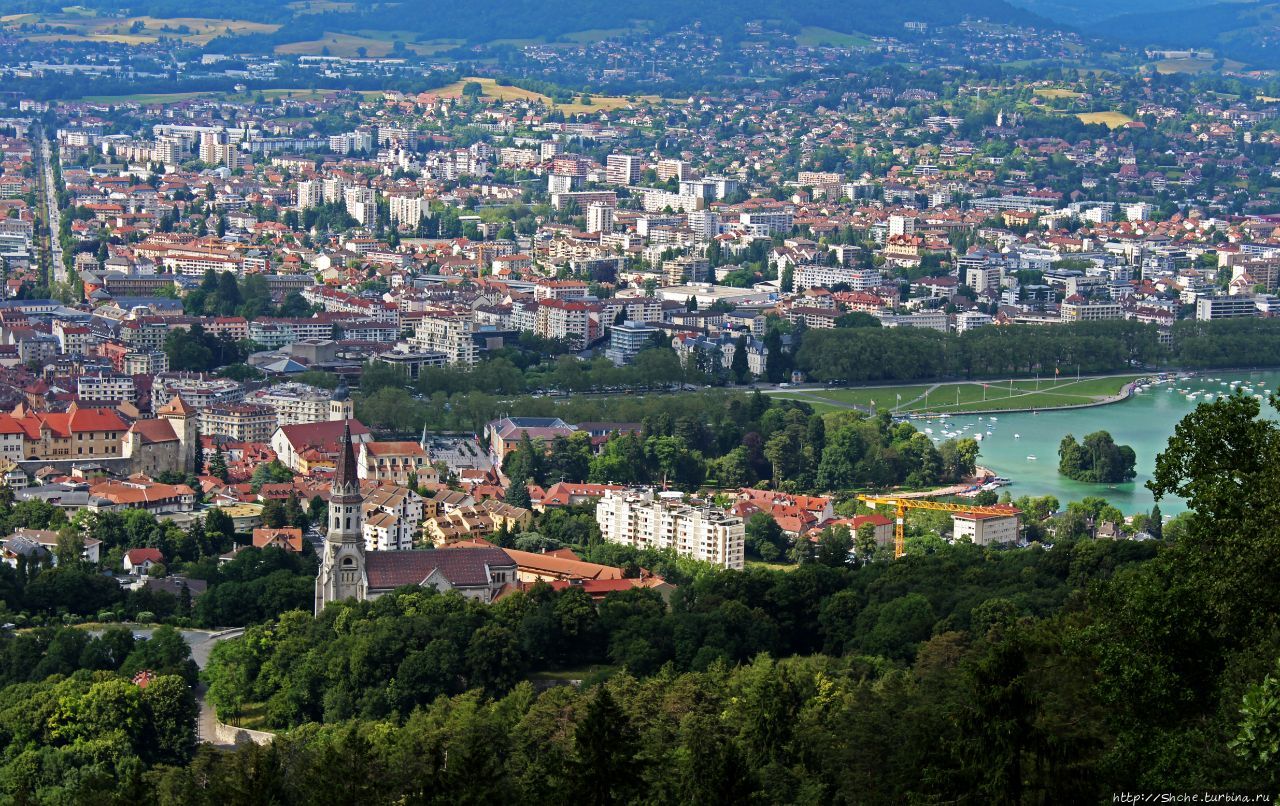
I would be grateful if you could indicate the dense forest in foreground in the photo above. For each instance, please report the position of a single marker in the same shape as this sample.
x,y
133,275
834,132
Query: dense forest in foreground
x,y
961,675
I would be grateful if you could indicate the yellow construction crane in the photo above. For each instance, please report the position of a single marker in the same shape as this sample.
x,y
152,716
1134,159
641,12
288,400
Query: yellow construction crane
x,y
901,505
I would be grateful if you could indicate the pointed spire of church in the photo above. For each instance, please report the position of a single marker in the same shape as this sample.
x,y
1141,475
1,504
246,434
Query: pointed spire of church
x,y
344,476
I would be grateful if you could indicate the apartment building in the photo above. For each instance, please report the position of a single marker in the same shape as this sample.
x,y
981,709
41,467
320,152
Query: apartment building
x,y
816,275
560,289
73,434
195,262
1224,307
1076,308
106,387
642,519
195,390
634,309
984,278
986,529
600,218
449,334
394,462
763,219
627,340
408,210
576,323
299,404
622,169
72,338
238,422
392,518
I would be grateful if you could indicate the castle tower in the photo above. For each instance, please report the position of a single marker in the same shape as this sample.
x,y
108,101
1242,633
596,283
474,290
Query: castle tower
x,y
185,426
341,407
342,573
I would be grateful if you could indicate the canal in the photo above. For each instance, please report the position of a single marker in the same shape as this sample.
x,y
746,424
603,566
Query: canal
x,y
1145,422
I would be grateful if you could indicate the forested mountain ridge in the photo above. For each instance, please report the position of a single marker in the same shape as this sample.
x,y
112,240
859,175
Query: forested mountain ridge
x,y
507,19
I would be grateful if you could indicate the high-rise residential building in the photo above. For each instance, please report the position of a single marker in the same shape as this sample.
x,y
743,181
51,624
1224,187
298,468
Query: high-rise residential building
x,y
310,194
407,210
449,334
901,225
361,204
642,519
627,340
704,223
622,169
673,169
211,143
600,218
563,183
238,422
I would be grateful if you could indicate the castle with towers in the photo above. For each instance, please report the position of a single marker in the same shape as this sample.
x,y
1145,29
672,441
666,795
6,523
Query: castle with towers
x,y
167,443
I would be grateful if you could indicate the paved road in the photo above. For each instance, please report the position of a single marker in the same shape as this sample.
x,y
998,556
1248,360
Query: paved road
x,y
45,153
201,643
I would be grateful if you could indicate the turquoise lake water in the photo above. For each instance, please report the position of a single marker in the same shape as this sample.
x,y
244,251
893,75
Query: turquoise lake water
x,y
1145,422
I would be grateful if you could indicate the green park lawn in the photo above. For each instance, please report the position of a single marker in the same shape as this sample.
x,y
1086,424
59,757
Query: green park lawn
x,y
966,396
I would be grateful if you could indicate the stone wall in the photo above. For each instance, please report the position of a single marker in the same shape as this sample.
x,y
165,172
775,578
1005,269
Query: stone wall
x,y
228,734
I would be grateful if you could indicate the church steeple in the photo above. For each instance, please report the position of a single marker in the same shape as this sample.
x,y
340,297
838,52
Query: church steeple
x,y
342,572
346,481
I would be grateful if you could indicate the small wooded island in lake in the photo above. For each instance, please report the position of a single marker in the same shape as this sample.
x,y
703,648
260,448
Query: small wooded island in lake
x,y
1099,460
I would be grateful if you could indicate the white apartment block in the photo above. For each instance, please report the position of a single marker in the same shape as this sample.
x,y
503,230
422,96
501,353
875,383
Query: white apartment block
x,y
932,319
299,404
971,319
638,518
1076,309
622,169
768,221
449,334
566,321
194,263
987,278
407,210
600,218
310,194
106,387
673,169
392,518
635,309
901,225
361,204
704,223
814,275
984,530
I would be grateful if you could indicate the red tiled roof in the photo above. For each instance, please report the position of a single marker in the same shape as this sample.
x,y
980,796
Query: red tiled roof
x,y
468,569
138,556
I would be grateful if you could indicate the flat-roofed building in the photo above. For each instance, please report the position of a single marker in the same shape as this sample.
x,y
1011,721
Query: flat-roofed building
x,y
238,422
641,519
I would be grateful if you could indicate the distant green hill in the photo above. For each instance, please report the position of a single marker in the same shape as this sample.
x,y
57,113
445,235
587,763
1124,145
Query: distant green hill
x,y
1084,14
488,20
1245,31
